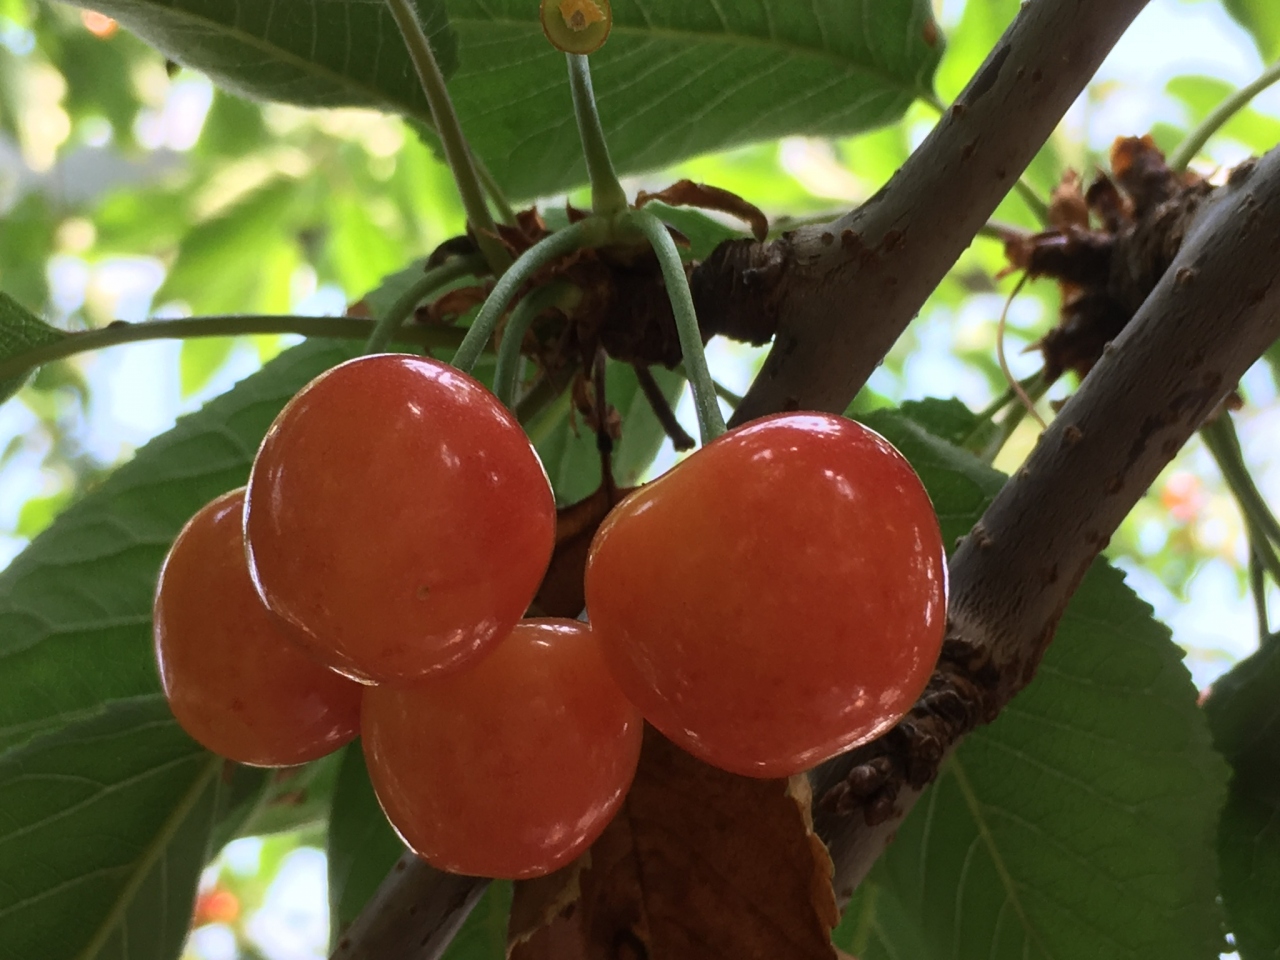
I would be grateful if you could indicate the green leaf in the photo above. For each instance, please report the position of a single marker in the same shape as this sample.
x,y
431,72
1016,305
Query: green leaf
x,y
1081,822
20,330
316,53
567,446
677,79
105,831
1244,713
362,846
959,484
1262,19
75,606
219,262
1249,849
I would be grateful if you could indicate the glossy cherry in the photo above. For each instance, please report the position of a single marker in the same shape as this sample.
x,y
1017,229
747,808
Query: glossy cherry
x,y
512,767
235,680
776,598
398,517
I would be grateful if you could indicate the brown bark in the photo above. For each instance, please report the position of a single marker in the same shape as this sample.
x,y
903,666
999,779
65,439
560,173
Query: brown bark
x,y
1209,318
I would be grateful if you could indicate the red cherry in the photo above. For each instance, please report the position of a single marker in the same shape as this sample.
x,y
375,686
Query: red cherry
x,y
776,598
512,767
398,517
235,680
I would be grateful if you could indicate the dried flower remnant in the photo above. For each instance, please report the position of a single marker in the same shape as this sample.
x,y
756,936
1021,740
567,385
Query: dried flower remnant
x,y
576,26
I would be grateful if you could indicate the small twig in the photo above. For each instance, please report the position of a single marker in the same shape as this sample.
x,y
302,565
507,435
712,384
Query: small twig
x,y
231,325
680,438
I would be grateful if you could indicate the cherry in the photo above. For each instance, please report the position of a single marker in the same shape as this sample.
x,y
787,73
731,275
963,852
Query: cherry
x,y
512,767
398,517
776,598
235,680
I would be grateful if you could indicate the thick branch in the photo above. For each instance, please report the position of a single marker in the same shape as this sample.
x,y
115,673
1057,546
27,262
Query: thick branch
x,y
842,293
412,916
1208,319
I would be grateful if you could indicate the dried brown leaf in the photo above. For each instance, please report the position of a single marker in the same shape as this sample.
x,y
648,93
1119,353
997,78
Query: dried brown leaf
x,y
686,193
698,865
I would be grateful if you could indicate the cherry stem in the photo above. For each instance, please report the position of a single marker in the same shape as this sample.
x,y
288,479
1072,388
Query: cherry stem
x,y
524,313
584,233
457,152
1219,116
607,196
384,331
232,325
705,402
1220,437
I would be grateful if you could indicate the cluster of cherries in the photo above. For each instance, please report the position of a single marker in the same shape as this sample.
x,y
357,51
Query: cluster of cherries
x,y
773,600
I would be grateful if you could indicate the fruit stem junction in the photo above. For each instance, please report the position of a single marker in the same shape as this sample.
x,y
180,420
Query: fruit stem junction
x,y
585,233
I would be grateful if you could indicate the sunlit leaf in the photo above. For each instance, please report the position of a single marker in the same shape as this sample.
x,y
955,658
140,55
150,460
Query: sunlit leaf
x,y
1262,19
677,79
317,53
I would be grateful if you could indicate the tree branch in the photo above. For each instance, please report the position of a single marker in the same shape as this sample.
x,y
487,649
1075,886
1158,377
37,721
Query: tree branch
x,y
1215,311
413,915
841,293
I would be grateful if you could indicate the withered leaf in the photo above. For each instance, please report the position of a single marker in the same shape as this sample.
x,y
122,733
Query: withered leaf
x,y
698,865
561,593
686,193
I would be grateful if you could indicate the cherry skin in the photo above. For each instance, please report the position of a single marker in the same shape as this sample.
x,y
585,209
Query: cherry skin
x,y
776,598
512,767
398,516
236,681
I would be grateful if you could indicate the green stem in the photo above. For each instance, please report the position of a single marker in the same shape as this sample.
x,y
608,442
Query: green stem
x,y
1258,588
1220,437
584,233
456,151
237,325
1035,387
1219,116
499,199
710,421
1039,209
607,196
385,329
504,377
